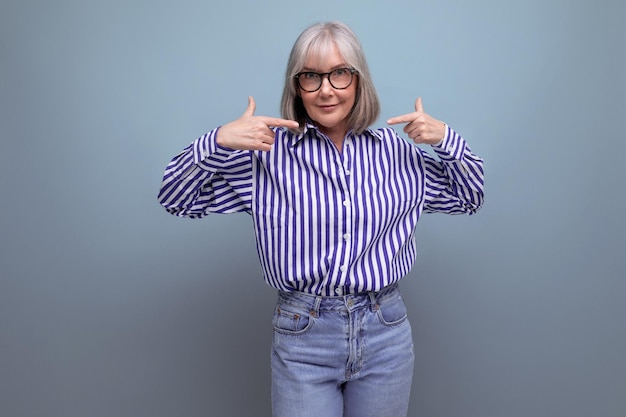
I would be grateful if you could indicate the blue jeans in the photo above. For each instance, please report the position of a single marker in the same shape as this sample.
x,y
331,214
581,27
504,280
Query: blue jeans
x,y
349,356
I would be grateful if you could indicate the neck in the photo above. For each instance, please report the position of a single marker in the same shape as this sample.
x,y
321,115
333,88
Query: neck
x,y
338,143
336,136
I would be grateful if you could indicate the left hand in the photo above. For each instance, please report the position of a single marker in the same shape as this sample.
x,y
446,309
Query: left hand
x,y
421,127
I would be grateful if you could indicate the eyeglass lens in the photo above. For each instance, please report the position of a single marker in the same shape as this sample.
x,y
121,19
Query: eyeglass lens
x,y
339,79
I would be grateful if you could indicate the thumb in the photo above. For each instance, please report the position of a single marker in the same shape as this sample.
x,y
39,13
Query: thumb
x,y
251,107
418,105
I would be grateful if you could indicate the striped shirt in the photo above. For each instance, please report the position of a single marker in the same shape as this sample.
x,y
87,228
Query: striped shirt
x,y
328,222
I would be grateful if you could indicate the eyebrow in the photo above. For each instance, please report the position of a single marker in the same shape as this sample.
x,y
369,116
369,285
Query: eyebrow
x,y
344,65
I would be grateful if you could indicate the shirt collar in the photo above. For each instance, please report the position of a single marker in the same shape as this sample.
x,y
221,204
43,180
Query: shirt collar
x,y
310,126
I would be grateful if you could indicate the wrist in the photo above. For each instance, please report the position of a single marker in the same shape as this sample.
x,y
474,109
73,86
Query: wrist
x,y
219,141
444,134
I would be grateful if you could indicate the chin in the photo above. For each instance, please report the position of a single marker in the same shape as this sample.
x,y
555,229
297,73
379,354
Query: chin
x,y
328,123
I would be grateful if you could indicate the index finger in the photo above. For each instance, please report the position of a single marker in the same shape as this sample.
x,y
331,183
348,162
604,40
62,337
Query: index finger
x,y
277,122
406,118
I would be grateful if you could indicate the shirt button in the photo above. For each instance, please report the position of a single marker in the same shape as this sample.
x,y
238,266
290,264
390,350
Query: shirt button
x,y
343,268
346,203
346,236
338,291
347,172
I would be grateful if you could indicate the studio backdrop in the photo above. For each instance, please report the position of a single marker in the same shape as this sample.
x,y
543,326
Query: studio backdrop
x,y
109,306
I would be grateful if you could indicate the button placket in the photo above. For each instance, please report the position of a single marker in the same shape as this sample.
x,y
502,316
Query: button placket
x,y
346,217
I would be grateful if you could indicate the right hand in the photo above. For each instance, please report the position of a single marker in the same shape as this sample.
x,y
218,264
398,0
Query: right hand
x,y
251,132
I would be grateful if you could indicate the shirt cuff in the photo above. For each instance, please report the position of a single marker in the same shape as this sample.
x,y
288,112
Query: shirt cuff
x,y
206,147
452,147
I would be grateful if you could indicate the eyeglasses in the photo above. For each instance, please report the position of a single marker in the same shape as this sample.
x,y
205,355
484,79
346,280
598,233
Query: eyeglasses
x,y
339,79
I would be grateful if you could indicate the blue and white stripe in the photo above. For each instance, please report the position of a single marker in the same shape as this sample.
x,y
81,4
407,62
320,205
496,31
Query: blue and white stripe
x,y
328,222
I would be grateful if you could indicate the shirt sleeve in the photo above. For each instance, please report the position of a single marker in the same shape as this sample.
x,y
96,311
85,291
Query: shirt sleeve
x,y
455,184
207,178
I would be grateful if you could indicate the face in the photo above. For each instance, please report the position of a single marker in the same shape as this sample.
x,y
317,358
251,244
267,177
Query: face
x,y
328,107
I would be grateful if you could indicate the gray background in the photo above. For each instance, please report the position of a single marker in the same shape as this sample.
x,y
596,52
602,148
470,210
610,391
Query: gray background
x,y
111,307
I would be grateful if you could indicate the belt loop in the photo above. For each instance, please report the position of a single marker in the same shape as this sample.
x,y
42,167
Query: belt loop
x,y
315,311
373,302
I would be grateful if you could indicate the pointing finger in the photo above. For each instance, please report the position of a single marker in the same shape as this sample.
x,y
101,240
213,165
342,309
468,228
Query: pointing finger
x,y
277,122
406,118
410,117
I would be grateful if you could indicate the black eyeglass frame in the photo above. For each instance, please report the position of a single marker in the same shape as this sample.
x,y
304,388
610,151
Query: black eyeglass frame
x,y
323,75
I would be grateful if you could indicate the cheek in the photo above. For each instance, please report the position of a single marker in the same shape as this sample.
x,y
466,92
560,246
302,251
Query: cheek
x,y
351,95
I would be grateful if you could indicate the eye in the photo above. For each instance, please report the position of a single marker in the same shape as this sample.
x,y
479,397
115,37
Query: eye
x,y
310,75
342,71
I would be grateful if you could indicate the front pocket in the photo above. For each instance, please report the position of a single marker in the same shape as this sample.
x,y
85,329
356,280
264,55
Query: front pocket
x,y
291,322
392,312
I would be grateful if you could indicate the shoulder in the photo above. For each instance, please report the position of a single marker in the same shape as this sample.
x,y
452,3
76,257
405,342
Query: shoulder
x,y
385,133
392,139
405,152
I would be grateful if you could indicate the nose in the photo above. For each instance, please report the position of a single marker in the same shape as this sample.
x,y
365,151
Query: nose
x,y
326,86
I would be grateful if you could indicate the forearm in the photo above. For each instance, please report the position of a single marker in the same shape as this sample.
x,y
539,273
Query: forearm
x,y
188,185
459,185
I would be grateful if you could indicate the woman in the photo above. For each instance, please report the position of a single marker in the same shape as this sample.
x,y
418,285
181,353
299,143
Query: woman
x,y
335,205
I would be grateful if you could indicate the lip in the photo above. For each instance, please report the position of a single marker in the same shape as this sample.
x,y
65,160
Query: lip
x,y
328,108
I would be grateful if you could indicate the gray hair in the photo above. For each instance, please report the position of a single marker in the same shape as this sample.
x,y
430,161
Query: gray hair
x,y
315,42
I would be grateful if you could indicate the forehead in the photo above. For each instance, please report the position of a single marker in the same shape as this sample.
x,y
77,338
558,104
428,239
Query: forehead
x,y
324,57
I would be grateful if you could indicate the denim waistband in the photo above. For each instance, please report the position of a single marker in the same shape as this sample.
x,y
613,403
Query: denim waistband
x,y
349,302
